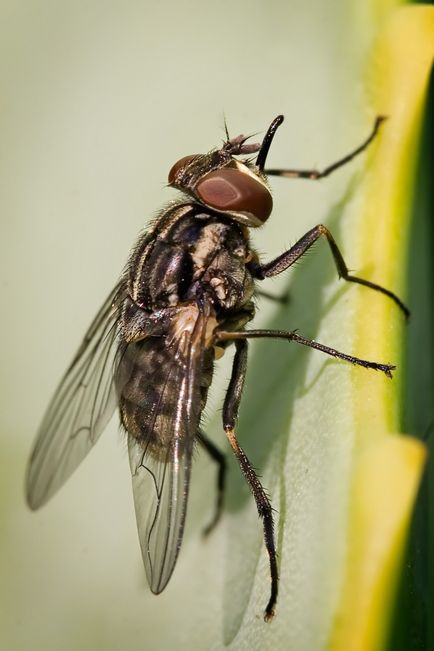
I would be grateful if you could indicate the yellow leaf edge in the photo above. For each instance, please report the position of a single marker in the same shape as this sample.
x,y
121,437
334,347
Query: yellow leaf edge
x,y
386,467
385,483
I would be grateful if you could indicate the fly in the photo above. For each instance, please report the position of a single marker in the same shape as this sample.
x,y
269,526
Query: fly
x,y
186,294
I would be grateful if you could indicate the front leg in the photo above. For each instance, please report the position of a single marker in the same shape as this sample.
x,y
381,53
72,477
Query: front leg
x,y
315,175
287,259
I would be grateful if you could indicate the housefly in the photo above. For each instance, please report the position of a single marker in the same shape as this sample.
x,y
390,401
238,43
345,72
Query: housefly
x,y
187,293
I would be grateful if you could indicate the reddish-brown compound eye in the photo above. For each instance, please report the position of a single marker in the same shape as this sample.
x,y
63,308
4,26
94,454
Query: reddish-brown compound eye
x,y
233,190
183,162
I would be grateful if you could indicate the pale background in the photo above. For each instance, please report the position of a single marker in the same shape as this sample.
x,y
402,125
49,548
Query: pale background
x,y
97,101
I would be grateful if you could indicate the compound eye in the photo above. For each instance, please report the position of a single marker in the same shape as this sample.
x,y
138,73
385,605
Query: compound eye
x,y
229,189
183,162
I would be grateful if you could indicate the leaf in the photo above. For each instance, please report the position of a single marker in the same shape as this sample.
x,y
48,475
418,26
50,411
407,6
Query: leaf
x,y
387,468
342,479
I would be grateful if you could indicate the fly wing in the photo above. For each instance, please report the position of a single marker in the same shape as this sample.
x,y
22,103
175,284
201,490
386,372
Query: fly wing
x,y
160,490
80,409
160,402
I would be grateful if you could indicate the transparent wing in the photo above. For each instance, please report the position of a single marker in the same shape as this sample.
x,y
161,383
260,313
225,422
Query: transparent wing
x,y
80,409
160,490
163,404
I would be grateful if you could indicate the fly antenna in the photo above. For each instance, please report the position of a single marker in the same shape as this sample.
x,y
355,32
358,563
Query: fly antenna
x,y
266,143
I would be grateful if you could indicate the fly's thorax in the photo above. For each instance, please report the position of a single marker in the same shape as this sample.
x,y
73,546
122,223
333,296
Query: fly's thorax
x,y
227,282
219,265
193,254
144,279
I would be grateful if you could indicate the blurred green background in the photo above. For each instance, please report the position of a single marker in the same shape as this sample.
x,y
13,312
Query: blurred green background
x,y
97,101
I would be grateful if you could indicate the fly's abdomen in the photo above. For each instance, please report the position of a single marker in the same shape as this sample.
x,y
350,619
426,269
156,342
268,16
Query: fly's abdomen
x,y
145,392
153,381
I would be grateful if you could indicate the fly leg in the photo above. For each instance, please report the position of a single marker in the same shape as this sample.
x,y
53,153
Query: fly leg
x,y
265,510
314,175
294,336
287,259
220,459
283,298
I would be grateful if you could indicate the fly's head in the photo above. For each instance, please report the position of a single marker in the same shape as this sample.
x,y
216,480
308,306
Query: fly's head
x,y
221,182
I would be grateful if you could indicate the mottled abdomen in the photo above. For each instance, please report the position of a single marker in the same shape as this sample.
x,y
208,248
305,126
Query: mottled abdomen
x,y
162,389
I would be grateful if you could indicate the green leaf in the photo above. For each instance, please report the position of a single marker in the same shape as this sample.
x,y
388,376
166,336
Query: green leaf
x,y
343,480
386,467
